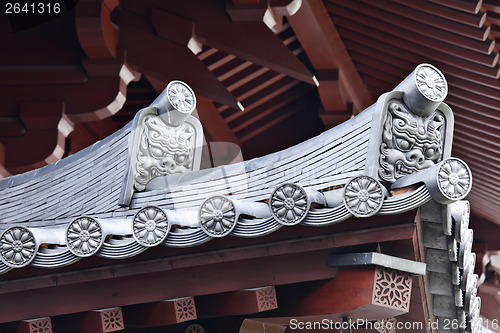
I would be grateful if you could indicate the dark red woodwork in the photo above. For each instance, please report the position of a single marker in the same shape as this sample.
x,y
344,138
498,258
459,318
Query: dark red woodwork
x,y
246,11
209,272
355,286
95,321
240,302
96,33
325,49
40,325
161,313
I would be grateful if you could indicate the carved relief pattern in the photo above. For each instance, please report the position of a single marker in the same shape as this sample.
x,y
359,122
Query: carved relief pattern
x,y
431,83
84,236
194,328
17,247
289,204
387,325
185,309
410,143
150,226
266,299
363,196
454,179
40,326
112,320
163,150
217,216
392,288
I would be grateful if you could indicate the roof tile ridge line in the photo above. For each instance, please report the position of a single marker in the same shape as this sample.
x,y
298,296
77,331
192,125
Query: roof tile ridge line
x,y
284,154
58,165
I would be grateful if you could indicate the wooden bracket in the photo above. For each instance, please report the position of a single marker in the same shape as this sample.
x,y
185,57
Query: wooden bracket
x,y
161,313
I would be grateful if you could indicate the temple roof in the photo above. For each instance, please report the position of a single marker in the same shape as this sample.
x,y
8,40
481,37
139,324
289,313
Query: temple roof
x,y
263,84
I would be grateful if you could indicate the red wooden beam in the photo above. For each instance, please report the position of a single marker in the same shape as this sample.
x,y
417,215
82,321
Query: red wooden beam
x,y
464,5
42,75
213,123
405,13
363,291
241,302
98,36
246,11
161,313
95,321
486,46
375,26
208,272
324,47
43,325
360,43
106,82
176,29
45,124
475,20
252,41
3,171
166,60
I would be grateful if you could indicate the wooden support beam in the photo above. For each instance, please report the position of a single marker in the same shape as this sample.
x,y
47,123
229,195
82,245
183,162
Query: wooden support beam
x,y
148,55
213,123
406,37
95,321
103,321
3,171
161,313
241,302
367,293
246,11
424,18
251,41
98,36
194,274
319,38
45,124
39,325
42,75
176,29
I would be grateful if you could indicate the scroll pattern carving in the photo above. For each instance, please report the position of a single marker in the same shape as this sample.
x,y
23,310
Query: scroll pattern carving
x,y
40,326
266,299
185,309
410,143
392,288
163,150
112,320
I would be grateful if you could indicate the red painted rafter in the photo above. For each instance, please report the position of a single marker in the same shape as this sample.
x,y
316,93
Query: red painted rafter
x,y
325,50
